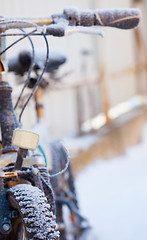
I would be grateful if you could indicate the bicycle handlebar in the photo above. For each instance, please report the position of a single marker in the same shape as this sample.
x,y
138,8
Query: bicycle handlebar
x,y
73,20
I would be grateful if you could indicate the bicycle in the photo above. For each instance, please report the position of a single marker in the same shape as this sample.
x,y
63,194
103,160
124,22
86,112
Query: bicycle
x,y
27,206
63,185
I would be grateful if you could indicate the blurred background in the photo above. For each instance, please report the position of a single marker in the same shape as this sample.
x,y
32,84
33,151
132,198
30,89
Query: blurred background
x,y
99,109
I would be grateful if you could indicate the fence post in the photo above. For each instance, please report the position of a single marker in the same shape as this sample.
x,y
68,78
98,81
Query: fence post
x,y
104,93
141,49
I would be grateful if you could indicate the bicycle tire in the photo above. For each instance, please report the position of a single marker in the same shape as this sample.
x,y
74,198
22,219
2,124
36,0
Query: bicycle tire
x,y
70,183
34,212
59,160
62,184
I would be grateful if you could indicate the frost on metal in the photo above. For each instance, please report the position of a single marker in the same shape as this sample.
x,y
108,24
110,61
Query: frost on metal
x,y
35,211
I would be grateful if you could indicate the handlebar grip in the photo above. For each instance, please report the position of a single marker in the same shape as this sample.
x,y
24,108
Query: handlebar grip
x,y
125,18
119,18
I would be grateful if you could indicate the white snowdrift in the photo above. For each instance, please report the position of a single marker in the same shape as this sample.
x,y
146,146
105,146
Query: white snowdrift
x,y
113,194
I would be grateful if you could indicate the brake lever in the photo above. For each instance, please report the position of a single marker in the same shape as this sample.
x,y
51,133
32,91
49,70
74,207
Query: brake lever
x,y
60,29
85,30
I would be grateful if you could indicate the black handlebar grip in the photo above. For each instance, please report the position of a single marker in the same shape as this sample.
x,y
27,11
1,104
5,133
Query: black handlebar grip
x,y
119,18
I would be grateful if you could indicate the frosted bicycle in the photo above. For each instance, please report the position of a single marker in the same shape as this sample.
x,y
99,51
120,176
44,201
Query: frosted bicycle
x,y
63,185
27,203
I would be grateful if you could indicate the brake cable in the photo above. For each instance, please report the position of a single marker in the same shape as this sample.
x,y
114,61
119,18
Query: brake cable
x,y
39,78
29,72
18,40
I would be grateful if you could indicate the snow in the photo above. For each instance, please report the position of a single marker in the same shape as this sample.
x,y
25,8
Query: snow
x,y
113,194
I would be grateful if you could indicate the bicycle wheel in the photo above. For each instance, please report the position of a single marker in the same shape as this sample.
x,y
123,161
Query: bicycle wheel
x,y
64,187
69,181
35,220
65,181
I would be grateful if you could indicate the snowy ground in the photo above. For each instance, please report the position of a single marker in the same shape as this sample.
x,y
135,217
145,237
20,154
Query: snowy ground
x,y
113,195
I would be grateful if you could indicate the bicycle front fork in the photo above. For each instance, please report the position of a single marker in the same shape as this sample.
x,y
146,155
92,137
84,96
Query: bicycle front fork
x,y
8,119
